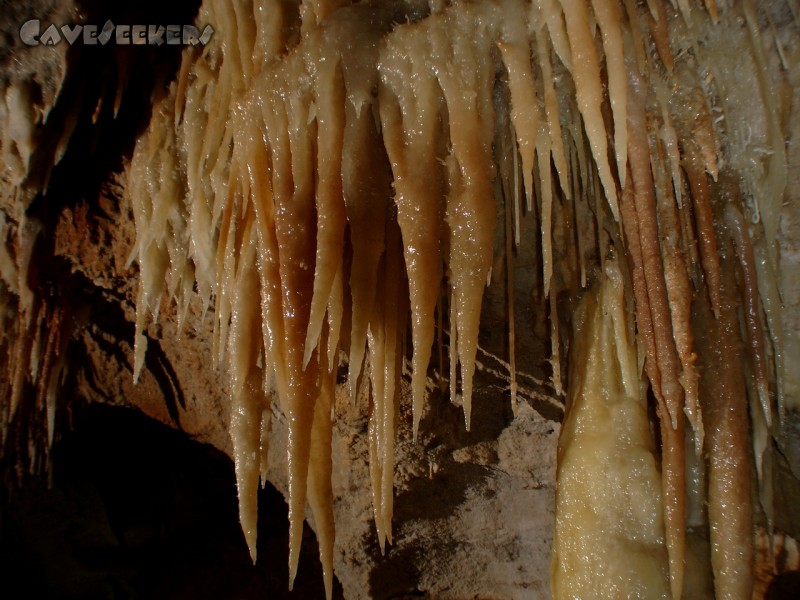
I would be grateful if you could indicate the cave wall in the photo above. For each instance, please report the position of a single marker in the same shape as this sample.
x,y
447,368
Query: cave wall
x,y
473,511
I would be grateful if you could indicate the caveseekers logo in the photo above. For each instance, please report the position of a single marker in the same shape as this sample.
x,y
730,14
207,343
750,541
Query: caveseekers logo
x,y
31,34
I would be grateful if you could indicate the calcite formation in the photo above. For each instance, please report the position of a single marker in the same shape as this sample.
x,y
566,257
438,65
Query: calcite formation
x,y
331,186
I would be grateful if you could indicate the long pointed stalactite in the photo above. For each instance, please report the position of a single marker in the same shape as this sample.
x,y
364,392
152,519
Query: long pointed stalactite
x,y
404,115
327,178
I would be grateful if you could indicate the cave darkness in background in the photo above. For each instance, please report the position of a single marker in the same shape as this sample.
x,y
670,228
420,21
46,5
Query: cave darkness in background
x,y
137,510
132,508
97,151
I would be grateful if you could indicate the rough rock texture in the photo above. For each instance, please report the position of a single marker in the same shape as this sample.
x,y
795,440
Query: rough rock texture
x,y
790,252
465,503
473,511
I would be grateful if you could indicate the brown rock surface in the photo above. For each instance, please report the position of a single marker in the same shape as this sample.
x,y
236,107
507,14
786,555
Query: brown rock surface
x,y
473,511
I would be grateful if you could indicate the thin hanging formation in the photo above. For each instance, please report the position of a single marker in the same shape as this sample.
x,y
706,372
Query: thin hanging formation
x,y
319,172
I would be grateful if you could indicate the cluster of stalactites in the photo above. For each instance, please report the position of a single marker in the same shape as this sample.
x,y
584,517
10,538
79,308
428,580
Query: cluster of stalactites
x,y
320,170
34,331
34,334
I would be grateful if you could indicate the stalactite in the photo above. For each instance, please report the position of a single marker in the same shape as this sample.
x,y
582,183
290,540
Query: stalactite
x,y
729,489
411,120
588,88
353,166
679,295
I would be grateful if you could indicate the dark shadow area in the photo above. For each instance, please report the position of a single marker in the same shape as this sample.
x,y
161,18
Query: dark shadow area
x,y
136,510
784,587
434,498
395,576
491,414
105,100
100,107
